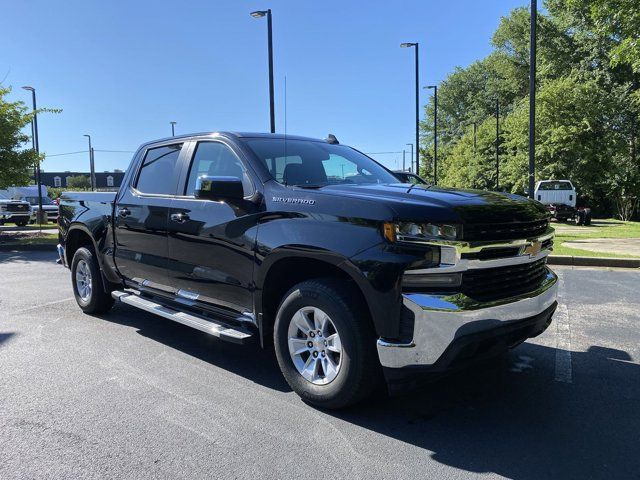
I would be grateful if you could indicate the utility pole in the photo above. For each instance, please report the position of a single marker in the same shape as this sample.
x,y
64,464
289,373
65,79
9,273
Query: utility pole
x,y
497,144
435,133
260,14
92,171
36,147
475,136
411,162
532,98
403,160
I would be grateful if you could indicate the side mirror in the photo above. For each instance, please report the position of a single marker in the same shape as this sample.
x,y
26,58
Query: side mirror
x,y
219,188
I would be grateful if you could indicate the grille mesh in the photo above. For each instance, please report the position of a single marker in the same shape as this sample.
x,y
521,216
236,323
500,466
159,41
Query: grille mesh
x,y
502,282
504,231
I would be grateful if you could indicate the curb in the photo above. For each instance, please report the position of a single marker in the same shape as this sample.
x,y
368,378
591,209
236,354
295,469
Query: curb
x,y
38,247
593,261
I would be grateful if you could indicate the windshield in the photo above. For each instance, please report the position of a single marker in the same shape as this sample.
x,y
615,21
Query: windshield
x,y
315,164
34,200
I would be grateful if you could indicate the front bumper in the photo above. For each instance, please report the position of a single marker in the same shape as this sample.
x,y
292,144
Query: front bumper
x,y
12,216
440,322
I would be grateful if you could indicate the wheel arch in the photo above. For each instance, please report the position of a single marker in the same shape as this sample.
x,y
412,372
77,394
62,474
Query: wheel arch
x,y
286,267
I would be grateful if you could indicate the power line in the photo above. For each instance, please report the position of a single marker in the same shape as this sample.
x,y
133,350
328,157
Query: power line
x,y
87,151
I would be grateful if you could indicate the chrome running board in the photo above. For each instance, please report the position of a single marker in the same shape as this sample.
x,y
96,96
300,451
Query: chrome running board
x,y
218,329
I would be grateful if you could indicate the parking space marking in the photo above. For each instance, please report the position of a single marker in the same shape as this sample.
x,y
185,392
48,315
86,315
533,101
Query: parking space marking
x,y
563,337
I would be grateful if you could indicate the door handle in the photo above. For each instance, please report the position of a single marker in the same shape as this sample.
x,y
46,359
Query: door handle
x,y
124,212
179,217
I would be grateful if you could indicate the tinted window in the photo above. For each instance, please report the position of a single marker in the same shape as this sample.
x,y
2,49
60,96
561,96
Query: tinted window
x,y
215,159
157,174
555,186
302,162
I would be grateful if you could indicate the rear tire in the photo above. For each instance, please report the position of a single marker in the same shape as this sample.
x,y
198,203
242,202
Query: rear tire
x,y
579,218
343,366
21,223
587,218
88,286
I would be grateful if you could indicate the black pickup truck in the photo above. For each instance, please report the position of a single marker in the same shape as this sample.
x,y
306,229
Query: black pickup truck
x,y
310,244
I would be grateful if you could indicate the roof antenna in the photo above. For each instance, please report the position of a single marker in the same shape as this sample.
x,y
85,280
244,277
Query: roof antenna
x,y
331,138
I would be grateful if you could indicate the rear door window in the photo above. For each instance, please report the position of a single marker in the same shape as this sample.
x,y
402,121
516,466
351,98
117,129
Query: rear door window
x,y
157,173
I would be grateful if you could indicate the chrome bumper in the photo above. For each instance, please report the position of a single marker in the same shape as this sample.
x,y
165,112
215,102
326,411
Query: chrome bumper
x,y
440,319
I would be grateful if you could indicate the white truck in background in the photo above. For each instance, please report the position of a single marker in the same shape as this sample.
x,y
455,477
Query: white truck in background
x,y
560,197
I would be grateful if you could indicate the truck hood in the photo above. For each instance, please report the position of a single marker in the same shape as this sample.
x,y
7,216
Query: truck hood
x,y
420,202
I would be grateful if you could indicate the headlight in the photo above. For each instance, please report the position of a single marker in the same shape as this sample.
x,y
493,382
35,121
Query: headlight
x,y
419,232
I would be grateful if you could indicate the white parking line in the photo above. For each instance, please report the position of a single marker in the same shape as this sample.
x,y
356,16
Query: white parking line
x,y
563,337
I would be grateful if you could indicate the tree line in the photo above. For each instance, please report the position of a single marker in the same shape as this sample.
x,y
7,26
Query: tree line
x,y
587,106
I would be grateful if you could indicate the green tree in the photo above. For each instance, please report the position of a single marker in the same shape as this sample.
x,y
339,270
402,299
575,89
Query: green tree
x,y
81,182
16,158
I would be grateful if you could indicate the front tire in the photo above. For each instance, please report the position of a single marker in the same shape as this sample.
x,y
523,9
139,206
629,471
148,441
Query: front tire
x,y
325,344
88,286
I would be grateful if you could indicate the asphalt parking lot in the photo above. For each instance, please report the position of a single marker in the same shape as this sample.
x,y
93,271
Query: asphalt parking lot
x,y
131,395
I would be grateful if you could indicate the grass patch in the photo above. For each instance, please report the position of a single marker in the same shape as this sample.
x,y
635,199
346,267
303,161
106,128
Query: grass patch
x,y
609,228
30,226
31,239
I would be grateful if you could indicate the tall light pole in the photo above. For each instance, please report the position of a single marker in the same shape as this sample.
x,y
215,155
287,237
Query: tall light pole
x,y
404,156
416,171
260,14
36,148
435,133
408,45
92,167
173,128
475,135
532,98
497,144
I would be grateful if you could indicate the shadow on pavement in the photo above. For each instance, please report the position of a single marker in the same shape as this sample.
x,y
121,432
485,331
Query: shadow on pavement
x,y
510,417
5,336
507,416
249,361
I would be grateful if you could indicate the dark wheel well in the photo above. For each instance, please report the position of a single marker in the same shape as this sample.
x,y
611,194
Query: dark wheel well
x,y
76,239
286,273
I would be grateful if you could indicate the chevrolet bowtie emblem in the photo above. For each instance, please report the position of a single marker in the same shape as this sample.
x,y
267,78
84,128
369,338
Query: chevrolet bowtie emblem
x,y
533,249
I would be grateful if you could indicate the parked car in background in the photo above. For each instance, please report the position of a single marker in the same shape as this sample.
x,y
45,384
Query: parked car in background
x,y
48,206
561,198
408,177
16,211
318,249
30,194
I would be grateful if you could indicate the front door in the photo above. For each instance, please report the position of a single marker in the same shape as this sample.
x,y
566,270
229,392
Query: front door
x,y
211,243
141,217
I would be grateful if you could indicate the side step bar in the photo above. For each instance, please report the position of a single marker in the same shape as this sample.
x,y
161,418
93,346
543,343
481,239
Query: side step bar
x,y
217,329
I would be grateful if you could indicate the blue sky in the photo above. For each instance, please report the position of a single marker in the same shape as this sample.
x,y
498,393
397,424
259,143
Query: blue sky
x,y
122,70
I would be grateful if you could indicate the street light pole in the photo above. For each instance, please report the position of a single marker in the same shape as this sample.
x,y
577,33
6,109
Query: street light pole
x,y
497,144
173,128
36,147
435,133
272,114
411,162
407,45
92,171
532,98
404,165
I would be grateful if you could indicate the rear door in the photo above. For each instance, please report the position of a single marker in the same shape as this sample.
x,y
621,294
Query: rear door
x,y
141,217
211,243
